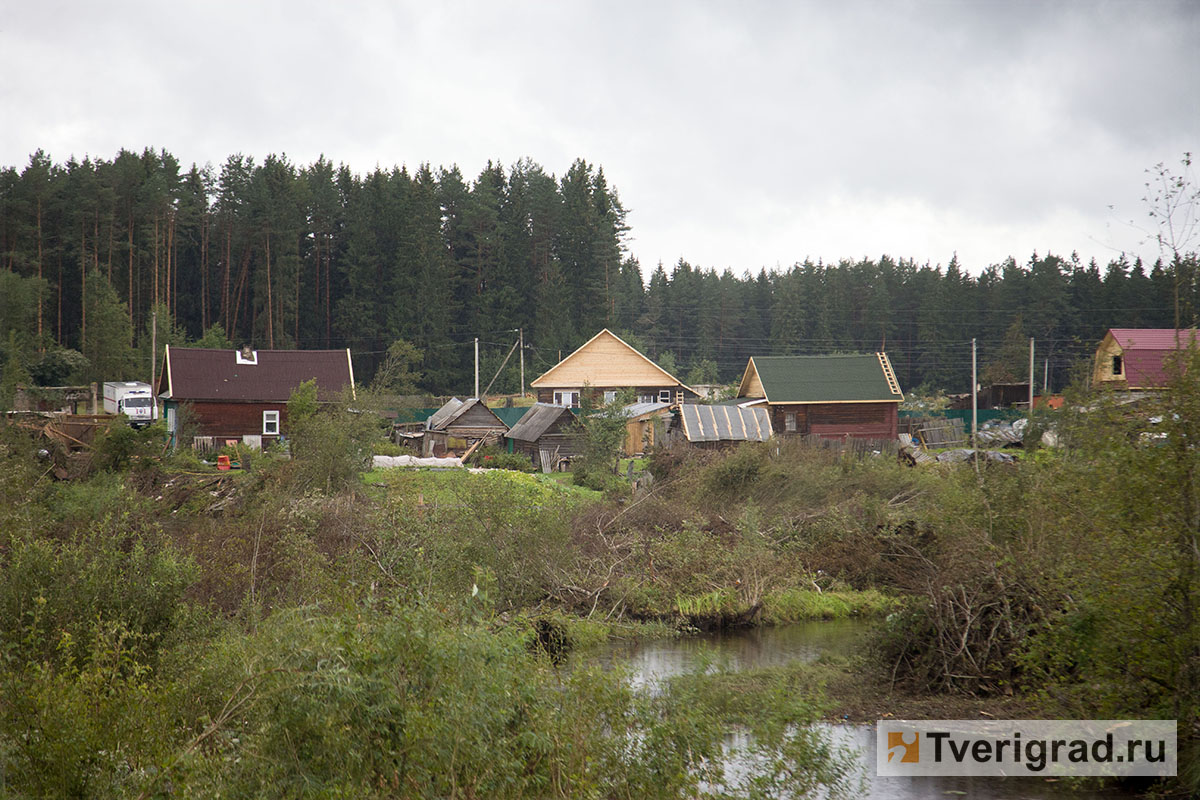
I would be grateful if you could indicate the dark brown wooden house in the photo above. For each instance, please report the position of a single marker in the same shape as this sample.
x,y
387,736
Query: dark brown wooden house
x,y
241,395
548,435
833,397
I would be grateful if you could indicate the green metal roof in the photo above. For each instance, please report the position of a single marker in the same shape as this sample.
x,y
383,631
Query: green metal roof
x,y
824,379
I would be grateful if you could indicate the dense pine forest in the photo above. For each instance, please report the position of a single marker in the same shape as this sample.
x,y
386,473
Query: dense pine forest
x,y
280,255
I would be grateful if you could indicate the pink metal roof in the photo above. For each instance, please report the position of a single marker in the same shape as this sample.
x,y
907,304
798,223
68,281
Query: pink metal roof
x,y
1144,351
1151,338
201,374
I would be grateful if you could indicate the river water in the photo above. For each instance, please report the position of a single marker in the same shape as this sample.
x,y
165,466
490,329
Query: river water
x,y
649,663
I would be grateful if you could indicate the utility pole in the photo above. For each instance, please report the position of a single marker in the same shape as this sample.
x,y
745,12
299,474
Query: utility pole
x,y
521,339
476,367
974,408
1031,376
1046,381
153,346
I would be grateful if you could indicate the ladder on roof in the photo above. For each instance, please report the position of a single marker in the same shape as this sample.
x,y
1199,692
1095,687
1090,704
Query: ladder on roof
x,y
893,384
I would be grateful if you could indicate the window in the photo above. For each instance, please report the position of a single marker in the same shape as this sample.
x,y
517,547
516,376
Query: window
x,y
609,396
789,422
270,423
567,399
664,396
1117,365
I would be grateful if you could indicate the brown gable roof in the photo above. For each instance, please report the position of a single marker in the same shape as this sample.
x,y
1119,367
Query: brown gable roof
x,y
193,373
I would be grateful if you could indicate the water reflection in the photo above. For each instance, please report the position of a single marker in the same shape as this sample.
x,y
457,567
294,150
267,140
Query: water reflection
x,y
651,662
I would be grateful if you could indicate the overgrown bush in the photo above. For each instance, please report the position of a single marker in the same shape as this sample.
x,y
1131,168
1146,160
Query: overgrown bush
x,y
331,443
498,458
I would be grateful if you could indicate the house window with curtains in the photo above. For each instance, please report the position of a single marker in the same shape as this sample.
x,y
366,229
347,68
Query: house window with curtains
x,y
270,423
789,422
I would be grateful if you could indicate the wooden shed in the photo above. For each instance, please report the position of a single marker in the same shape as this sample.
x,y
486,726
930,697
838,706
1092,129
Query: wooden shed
x,y
835,396
643,420
548,434
459,424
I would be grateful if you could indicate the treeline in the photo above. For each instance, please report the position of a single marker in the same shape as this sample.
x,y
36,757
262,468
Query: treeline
x,y
280,255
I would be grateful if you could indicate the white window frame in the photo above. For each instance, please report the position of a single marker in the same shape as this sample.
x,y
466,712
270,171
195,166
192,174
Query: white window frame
x,y
609,395
664,396
567,398
270,423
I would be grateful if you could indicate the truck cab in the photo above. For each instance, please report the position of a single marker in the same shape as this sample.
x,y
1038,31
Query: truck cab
x,y
132,399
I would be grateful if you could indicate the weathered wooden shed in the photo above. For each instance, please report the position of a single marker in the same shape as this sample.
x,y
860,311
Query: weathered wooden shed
x,y
548,434
459,424
835,396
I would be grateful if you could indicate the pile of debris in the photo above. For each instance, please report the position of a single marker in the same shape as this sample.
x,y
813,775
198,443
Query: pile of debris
x,y
934,442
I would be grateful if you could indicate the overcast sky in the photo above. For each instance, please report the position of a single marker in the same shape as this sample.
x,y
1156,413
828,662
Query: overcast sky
x,y
738,135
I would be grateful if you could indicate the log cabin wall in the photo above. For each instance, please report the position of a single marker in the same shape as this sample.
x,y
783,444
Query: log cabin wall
x,y
835,420
234,420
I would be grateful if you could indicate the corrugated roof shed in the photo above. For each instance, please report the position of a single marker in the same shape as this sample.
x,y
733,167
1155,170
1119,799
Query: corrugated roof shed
x,y
824,379
540,418
202,374
725,424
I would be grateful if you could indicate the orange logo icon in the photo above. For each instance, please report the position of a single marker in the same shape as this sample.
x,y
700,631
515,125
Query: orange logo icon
x,y
909,749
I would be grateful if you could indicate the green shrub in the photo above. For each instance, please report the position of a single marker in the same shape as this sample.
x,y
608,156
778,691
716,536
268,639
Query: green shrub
x,y
498,458
386,448
52,593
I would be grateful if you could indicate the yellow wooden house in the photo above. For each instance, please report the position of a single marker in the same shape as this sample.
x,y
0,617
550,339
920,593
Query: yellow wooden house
x,y
606,365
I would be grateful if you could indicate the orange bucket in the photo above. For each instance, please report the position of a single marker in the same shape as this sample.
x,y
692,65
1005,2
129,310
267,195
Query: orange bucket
x,y
223,462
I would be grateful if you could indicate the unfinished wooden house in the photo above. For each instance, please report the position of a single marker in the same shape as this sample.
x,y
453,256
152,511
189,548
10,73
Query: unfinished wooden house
x,y
549,435
460,424
837,396
241,395
606,365
1138,359
645,422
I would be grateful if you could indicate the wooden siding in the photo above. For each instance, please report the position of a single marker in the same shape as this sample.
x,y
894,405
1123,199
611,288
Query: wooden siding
x,y
1103,373
547,395
232,420
639,436
567,446
831,420
604,361
475,423
751,384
